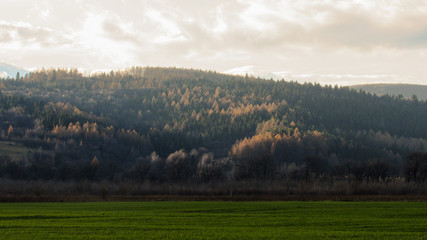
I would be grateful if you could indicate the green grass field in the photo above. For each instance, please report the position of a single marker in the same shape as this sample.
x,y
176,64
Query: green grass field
x,y
214,220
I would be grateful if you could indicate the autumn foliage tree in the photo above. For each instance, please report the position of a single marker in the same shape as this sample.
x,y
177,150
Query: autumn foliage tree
x,y
252,158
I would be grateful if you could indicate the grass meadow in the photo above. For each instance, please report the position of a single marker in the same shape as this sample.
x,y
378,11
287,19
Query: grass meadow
x,y
214,220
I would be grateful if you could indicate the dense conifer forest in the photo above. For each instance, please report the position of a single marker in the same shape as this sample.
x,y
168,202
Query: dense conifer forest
x,y
168,125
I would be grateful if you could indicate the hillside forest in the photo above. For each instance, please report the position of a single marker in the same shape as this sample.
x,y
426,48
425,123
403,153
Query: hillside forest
x,y
182,126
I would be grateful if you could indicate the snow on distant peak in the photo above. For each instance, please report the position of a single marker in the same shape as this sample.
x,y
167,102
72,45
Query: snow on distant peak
x,y
241,70
252,71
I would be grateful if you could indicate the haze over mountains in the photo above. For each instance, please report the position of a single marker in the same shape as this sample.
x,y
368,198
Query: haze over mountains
x,y
406,90
8,70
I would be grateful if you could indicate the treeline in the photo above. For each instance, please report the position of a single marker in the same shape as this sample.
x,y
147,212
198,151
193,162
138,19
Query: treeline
x,y
167,125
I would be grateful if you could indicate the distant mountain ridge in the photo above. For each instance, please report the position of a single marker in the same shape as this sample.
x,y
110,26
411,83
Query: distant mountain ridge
x,y
406,90
8,70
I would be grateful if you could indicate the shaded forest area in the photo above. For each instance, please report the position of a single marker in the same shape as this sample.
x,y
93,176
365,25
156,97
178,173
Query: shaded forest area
x,y
164,127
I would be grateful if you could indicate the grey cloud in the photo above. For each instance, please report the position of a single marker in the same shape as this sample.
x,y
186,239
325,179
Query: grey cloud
x,y
360,30
354,27
115,32
417,39
5,34
27,34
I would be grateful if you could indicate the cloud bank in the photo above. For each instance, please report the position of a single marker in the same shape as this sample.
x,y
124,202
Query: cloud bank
x,y
340,42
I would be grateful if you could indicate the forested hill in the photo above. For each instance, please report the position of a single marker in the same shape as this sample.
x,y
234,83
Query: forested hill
x,y
174,124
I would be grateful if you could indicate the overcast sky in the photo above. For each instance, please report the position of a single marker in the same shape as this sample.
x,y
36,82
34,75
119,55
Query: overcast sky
x,y
332,42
